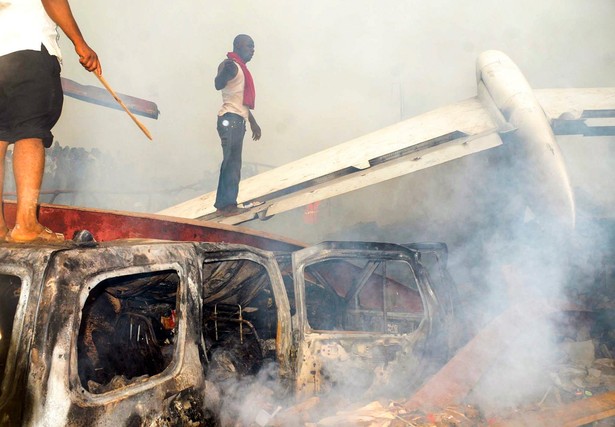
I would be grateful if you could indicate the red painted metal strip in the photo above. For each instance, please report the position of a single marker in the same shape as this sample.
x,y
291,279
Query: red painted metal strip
x,y
110,225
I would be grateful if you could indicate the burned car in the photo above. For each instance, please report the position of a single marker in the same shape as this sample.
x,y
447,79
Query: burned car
x,y
150,332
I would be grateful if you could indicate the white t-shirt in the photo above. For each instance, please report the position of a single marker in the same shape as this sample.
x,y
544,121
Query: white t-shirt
x,y
24,25
232,96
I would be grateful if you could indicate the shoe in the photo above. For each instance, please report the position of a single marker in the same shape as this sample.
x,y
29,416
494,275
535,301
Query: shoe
x,y
226,211
45,236
229,211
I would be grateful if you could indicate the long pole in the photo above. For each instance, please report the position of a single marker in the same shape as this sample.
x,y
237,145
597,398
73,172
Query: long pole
x,y
132,116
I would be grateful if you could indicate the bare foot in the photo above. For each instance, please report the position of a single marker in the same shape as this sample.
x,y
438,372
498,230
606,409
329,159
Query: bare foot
x,y
20,235
3,233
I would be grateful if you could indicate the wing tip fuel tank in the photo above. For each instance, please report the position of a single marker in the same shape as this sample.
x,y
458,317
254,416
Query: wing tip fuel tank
x,y
544,169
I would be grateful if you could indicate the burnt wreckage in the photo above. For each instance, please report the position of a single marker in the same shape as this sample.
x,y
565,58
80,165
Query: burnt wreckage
x,y
147,332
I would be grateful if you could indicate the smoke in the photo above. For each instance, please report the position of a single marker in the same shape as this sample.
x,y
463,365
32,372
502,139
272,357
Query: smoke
x,y
503,253
262,399
250,400
326,73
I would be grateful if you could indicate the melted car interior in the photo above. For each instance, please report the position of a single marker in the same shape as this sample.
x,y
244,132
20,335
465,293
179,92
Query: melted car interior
x,y
127,330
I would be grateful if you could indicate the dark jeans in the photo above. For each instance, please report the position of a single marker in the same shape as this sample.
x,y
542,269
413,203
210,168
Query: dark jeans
x,y
231,128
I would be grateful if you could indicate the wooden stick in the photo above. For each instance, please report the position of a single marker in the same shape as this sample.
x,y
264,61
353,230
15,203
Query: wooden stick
x,y
132,116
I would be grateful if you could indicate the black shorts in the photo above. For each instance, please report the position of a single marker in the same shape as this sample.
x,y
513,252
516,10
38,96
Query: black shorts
x,y
31,95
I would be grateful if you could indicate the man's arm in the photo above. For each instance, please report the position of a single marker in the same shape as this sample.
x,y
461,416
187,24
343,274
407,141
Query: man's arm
x,y
256,129
227,70
59,11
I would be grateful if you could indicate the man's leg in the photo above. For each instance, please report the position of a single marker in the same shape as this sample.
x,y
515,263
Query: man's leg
x,y
234,168
28,167
222,192
3,228
231,135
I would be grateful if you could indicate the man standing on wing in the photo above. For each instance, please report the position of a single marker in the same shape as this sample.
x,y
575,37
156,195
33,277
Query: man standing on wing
x,y
31,100
238,96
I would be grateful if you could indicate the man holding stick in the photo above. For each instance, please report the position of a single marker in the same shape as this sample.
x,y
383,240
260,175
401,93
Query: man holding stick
x,y
31,100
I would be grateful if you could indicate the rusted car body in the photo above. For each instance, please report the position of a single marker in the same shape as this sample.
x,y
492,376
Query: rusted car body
x,y
142,332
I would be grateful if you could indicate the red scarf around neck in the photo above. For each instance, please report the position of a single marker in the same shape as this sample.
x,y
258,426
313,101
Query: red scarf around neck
x,y
249,93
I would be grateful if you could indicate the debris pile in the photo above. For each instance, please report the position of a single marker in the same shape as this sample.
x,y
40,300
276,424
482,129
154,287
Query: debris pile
x,y
395,414
578,386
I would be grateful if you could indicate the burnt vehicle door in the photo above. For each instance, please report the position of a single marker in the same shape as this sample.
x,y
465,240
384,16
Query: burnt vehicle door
x,y
21,276
453,332
367,319
245,314
113,343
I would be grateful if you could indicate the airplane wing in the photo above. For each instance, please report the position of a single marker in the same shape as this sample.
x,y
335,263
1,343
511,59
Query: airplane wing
x,y
588,112
505,104
423,141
